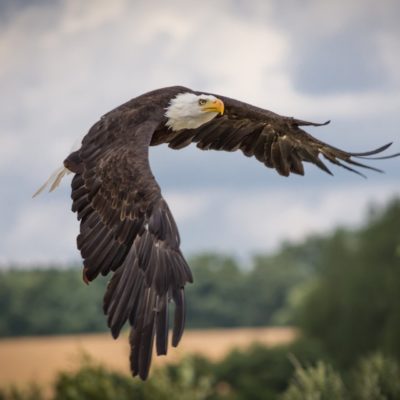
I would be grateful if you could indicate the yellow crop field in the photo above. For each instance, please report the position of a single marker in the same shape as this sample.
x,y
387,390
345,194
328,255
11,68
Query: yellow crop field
x,y
39,359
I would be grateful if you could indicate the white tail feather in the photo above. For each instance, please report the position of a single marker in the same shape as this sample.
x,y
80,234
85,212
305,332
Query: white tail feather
x,y
54,180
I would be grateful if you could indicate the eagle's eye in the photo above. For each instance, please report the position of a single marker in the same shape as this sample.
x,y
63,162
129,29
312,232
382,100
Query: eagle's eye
x,y
202,102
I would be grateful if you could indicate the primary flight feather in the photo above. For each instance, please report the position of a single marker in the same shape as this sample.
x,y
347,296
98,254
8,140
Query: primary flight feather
x,y
125,223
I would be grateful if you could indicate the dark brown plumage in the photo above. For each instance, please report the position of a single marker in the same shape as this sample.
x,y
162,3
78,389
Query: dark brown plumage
x,y
126,225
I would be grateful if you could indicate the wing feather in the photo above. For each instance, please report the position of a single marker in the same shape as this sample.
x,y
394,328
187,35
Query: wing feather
x,y
127,227
275,140
162,326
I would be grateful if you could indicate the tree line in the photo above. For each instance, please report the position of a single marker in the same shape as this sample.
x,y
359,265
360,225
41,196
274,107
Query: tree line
x,y
56,301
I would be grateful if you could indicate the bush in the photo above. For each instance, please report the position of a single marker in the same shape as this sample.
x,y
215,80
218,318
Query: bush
x,y
316,383
95,382
254,374
260,372
377,378
32,392
374,378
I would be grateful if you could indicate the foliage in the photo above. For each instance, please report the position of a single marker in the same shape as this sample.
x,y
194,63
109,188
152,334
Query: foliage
x,y
32,392
320,383
40,301
51,301
377,378
221,285
260,372
354,308
92,381
252,374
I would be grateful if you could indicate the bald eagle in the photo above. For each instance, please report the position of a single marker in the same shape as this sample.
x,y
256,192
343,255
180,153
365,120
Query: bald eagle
x,y
126,225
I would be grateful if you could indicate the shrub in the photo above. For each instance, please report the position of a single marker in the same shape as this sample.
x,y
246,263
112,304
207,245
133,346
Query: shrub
x,y
377,378
31,392
315,383
95,382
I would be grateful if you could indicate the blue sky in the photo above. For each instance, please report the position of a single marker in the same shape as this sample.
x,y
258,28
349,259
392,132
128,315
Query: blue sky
x,y
65,63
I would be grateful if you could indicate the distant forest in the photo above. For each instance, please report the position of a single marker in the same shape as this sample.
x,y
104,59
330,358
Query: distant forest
x,y
56,301
345,284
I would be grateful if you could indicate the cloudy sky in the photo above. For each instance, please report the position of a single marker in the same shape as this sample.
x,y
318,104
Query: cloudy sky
x,y
64,63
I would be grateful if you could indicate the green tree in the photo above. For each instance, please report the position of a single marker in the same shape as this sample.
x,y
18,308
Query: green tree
x,y
54,301
35,302
272,279
354,308
259,372
215,298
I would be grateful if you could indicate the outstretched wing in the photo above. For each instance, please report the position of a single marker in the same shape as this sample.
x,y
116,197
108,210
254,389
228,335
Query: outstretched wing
x,y
276,141
127,227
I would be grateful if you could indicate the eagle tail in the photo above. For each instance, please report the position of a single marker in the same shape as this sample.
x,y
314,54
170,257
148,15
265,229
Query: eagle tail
x,y
54,180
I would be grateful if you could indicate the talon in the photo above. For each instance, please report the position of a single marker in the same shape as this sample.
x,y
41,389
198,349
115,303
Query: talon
x,y
84,277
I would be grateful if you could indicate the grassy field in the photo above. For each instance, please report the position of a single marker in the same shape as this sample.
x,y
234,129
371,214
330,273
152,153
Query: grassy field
x,y
39,359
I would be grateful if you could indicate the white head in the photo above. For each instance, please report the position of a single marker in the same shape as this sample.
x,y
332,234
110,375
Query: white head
x,y
189,111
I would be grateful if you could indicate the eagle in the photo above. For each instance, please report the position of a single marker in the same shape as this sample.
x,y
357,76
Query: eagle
x,y
126,225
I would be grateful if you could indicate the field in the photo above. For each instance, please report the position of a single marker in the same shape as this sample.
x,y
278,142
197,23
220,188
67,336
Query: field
x,y
39,359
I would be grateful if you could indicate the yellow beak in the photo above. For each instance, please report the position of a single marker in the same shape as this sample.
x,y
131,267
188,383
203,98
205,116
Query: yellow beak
x,y
214,106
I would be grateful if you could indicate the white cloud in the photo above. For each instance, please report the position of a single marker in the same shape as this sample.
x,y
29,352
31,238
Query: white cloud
x,y
243,222
43,231
265,218
187,206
